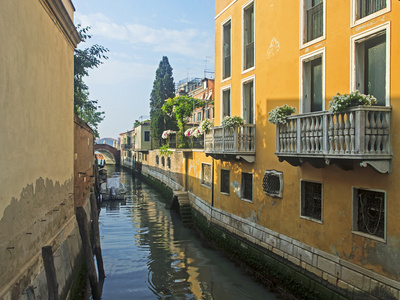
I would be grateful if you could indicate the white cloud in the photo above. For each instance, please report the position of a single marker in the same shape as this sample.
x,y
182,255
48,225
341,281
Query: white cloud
x,y
187,42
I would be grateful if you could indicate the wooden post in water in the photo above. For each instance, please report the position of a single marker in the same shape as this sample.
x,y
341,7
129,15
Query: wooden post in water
x,y
50,270
96,236
87,249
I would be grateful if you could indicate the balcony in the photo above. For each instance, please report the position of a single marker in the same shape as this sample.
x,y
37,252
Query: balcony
x,y
360,134
231,143
127,147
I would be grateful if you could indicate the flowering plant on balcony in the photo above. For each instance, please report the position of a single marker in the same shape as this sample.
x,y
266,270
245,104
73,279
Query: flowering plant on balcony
x,y
194,132
232,121
167,133
205,125
341,102
279,114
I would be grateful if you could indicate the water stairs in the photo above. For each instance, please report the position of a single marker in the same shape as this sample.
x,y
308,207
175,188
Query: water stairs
x,y
182,203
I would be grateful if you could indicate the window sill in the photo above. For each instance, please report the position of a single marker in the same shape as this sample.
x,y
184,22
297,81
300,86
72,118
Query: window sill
x,y
311,219
369,17
312,42
207,186
369,236
223,193
248,70
246,200
226,79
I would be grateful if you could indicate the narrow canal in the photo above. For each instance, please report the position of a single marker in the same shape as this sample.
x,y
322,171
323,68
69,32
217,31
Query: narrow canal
x,y
148,254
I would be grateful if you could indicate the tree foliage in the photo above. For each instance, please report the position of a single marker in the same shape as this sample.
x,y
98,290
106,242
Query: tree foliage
x,y
181,108
163,88
85,59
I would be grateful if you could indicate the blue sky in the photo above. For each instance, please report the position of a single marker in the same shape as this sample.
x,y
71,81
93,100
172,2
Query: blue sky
x,y
138,34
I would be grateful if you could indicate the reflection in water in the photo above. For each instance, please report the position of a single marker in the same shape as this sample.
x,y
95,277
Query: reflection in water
x,y
148,254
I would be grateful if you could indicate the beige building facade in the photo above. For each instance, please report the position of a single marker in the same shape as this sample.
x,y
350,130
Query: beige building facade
x,y
36,111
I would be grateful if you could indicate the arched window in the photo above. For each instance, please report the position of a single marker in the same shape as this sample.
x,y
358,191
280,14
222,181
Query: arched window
x,y
157,160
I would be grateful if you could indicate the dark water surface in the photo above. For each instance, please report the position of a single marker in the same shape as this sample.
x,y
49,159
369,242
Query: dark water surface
x,y
148,254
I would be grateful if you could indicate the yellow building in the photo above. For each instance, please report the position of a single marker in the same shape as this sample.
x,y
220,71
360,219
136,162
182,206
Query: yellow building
x,y
321,189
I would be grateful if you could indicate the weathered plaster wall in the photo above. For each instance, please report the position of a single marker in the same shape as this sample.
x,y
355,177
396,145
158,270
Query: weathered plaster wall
x,y
36,112
84,161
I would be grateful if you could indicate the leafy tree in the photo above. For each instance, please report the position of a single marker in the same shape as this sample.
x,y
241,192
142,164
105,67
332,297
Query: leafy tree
x,y
163,88
181,108
85,59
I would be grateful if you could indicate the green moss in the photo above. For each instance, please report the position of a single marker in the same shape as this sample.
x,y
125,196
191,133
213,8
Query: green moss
x,y
265,266
78,288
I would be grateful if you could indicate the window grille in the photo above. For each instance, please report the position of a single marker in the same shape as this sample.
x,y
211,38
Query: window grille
x,y
225,181
273,183
162,161
157,160
369,211
247,186
206,174
311,200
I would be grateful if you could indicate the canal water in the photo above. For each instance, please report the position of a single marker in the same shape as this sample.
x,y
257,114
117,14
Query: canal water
x,y
148,254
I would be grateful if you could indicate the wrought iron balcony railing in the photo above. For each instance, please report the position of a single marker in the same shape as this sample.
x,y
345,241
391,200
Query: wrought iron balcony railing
x,y
231,143
360,133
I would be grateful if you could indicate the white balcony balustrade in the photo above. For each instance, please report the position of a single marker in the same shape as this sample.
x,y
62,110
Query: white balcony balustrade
x,y
360,133
231,143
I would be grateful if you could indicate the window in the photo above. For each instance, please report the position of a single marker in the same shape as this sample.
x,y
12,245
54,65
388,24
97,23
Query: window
x,y
147,136
169,163
312,68
206,174
313,20
198,117
162,161
371,66
311,200
157,160
369,209
248,101
225,181
226,102
226,35
247,186
273,183
248,37
207,114
368,7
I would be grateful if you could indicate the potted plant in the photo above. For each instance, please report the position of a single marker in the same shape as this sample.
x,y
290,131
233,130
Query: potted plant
x,y
340,102
279,114
232,121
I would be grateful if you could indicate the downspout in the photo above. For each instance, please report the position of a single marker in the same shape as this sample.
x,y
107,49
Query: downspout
x,y
212,183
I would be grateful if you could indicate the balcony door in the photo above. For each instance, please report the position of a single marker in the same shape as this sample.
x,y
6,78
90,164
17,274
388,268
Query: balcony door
x,y
313,85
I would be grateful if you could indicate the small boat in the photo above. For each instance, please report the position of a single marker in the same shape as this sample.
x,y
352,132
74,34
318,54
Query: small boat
x,y
113,189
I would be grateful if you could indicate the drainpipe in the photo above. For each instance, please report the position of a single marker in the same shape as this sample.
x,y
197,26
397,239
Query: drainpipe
x,y
212,183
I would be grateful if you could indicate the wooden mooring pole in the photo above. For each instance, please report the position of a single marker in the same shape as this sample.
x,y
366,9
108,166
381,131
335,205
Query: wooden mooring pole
x,y
87,249
96,236
50,270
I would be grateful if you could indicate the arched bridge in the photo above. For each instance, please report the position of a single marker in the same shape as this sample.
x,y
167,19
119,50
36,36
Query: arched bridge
x,y
111,154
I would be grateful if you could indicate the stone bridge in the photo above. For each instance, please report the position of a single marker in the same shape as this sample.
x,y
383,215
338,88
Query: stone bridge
x,y
111,154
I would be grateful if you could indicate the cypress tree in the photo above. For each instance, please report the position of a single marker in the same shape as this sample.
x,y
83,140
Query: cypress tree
x,y
163,89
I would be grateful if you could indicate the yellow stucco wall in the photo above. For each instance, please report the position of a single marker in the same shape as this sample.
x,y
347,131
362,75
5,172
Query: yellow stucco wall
x,y
278,52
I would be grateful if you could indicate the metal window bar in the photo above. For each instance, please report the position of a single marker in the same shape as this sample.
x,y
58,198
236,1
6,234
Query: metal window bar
x,y
371,212
368,7
311,200
247,185
315,22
